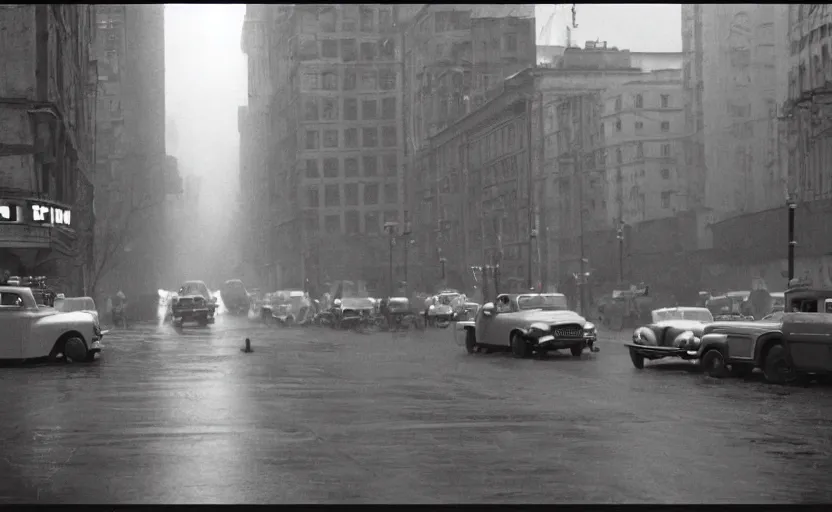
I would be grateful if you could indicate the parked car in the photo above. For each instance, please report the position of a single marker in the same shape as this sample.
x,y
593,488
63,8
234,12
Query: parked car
x,y
350,311
673,332
441,308
193,303
528,323
235,298
788,346
286,307
33,330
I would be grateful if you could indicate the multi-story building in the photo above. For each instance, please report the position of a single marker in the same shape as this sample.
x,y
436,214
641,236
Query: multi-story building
x,y
47,142
131,164
642,128
693,84
455,57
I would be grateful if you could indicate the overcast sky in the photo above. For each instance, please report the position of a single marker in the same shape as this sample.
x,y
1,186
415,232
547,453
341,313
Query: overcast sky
x,y
207,76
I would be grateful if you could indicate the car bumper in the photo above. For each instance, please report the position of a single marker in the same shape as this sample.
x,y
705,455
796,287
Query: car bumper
x,y
95,346
553,343
653,351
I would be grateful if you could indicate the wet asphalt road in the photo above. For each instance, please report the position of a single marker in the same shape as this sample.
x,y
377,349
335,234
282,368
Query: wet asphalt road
x,y
321,416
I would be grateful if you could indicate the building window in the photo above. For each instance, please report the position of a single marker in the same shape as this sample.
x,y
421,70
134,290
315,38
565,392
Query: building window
x,y
330,138
329,49
618,125
370,137
618,104
619,157
385,20
387,79
351,219
371,193
368,51
370,164
391,165
511,42
639,125
665,126
391,216
665,149
391,193
351,167
312,141
330,109
350,80
369,80
349,50
311,168
387,49
332,196
602,156
310,81
640,150
368,109
350,109
351,137
665,100
665,174
602,129
312,198
327,19
330,167
389,136
330,80
332,223
310,223
665,199
311,109
388,108
639,101
366,19
351,194
371,222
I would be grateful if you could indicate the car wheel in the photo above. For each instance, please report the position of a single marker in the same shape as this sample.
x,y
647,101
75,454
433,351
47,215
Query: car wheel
x,y
519,346
776,368
470,341
576,350
713,363
741,371
637,359
75,350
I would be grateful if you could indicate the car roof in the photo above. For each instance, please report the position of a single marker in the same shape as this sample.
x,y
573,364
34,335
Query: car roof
x,y
811,293
682,309
193,282
14,289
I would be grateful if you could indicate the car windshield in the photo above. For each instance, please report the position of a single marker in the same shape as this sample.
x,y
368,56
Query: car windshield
x,y
195,289
777,316
446,300
698,315
542,302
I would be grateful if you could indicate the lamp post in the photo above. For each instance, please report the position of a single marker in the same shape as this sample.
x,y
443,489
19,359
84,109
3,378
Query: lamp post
x,y
390,228
620,236
407,243
792,242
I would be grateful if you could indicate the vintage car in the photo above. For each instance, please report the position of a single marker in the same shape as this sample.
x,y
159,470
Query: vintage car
x,y
234,297
778,301
193,303
33,330
786,346
348,311
467,312
286,307
528,323
441,307
674,332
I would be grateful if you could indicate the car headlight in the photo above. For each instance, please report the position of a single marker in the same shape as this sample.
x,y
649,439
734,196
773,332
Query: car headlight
x,y
589,329
694,342
538,328
684,340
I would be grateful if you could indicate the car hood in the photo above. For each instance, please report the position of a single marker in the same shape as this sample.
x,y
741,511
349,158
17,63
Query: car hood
x,y
743,324
688,325
80,317
551,317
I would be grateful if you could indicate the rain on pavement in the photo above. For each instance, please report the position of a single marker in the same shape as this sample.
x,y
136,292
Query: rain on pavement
x,y
323,416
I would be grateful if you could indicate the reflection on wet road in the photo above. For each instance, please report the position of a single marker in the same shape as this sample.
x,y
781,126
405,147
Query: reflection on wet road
x,y
323,416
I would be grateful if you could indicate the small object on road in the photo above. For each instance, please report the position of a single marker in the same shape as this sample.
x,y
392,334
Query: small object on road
x,y
595,349
247,348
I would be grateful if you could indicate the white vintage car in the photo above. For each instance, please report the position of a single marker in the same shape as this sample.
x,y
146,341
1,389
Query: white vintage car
x,y
32,330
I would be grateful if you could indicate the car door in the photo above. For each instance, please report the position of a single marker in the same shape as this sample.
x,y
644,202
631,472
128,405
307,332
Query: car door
x,y
809,340
484,327
14,323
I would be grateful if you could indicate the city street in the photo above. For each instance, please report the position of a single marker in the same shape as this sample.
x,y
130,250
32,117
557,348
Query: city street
x,y
327,417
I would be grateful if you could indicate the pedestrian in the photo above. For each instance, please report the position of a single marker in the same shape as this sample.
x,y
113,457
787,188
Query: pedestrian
x,y
5,279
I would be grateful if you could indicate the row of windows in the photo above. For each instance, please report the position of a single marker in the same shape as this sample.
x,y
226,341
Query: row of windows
x,y
332,195
351,18
329,138
664,151
327,109
369,166
638,125
373,220
504,140
638,101
349,50
329,80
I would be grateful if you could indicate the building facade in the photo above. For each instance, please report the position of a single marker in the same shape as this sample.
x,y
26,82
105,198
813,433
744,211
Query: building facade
x,y
693,84
47,142
132,169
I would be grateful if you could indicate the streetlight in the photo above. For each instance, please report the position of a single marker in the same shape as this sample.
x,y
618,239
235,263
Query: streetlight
x,y
620,236
792,242
390,228
406,233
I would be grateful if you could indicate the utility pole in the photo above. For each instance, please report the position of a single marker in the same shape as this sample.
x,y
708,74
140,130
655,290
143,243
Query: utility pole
x,y
530,191
578,166
620,237
792,242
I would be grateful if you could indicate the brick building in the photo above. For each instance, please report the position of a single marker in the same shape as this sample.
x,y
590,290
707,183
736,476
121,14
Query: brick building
x,y
47,137
131,165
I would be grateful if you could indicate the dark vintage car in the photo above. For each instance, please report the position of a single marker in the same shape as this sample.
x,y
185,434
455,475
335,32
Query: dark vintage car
x,y
349,311
787,345
193,303
234,297
528,323
673,332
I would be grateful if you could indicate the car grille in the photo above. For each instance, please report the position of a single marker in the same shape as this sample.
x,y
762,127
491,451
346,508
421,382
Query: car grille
x,y
568,331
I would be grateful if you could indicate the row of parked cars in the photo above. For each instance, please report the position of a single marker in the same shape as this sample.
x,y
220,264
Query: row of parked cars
x,y
788,345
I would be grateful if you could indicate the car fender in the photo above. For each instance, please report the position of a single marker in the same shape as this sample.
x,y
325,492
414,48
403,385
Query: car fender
x,y
646,335
763,342
718,341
